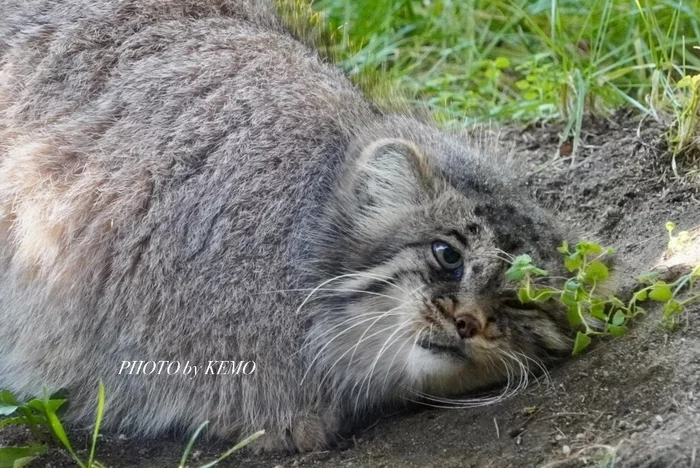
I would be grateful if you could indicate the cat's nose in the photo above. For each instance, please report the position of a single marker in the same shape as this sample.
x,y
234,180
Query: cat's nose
x,y
468,326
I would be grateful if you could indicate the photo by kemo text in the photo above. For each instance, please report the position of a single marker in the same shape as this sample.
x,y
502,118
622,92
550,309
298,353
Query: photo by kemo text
x,y
187,368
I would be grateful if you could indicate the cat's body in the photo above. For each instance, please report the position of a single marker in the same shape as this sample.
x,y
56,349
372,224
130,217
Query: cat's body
x,y
177,176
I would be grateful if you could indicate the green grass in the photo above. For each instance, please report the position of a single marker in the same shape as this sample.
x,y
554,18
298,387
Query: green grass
x,y
222,457
42,416
522,60
684,134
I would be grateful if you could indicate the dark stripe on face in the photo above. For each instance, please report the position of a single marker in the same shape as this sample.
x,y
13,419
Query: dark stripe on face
x,y
441,308
412,273
374,288
383,286
384,253
460,237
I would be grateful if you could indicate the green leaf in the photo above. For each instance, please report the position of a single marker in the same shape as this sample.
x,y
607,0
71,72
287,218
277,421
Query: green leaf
x,y
524,295
6,410
58,430
7,398
598,309
568,298
523,266
502,62
596,272
672,307
641,295
573,316
18,421
45,406
582,342
660,292
49,407
588,248
615,330
563,248
619,318
536,271
522,85
670,225
582,295
542,295
684,82
523,260
573,262
616,303
515,273
17,457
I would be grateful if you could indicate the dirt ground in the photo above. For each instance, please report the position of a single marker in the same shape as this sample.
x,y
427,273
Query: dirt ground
x,y
630,402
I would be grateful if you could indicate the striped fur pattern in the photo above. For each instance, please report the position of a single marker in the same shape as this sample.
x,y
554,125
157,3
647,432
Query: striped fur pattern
x,y
184,180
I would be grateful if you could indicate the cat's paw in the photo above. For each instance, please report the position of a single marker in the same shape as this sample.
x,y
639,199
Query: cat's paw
x,y
308,433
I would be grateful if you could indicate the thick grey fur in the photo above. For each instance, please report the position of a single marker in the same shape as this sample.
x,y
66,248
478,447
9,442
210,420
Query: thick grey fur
x,y
177,175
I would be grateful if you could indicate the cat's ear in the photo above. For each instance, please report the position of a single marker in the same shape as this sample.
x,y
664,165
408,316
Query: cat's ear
x,y
392,173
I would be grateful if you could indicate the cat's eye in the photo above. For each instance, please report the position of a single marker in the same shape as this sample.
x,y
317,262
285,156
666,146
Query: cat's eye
x,y
447,256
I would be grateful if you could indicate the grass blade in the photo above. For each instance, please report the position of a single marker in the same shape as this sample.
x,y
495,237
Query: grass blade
x,y
190,444
98,422
235,448
49,408
60,433
17,457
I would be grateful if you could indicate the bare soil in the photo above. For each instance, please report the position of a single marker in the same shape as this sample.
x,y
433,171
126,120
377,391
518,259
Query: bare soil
x,y
629,402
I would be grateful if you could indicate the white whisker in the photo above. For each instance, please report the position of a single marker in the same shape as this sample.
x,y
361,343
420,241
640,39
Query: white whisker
x,y
393,359
349,275
354,348
320,352
370,372
339,290
319,336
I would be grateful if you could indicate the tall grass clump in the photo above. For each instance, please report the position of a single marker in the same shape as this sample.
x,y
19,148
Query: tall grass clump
x,y
521,60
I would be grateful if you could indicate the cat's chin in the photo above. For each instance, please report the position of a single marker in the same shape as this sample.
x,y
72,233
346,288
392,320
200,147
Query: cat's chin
x,y
447,374
434,364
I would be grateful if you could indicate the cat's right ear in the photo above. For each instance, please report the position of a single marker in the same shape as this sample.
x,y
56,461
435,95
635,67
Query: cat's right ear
x,y
392,173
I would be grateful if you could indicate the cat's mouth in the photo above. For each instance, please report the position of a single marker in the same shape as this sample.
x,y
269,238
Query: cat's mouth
x,y
442,346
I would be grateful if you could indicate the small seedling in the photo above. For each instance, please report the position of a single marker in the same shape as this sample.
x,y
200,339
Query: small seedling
x,y
679,241
40,415
670,295
590,313
225,455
